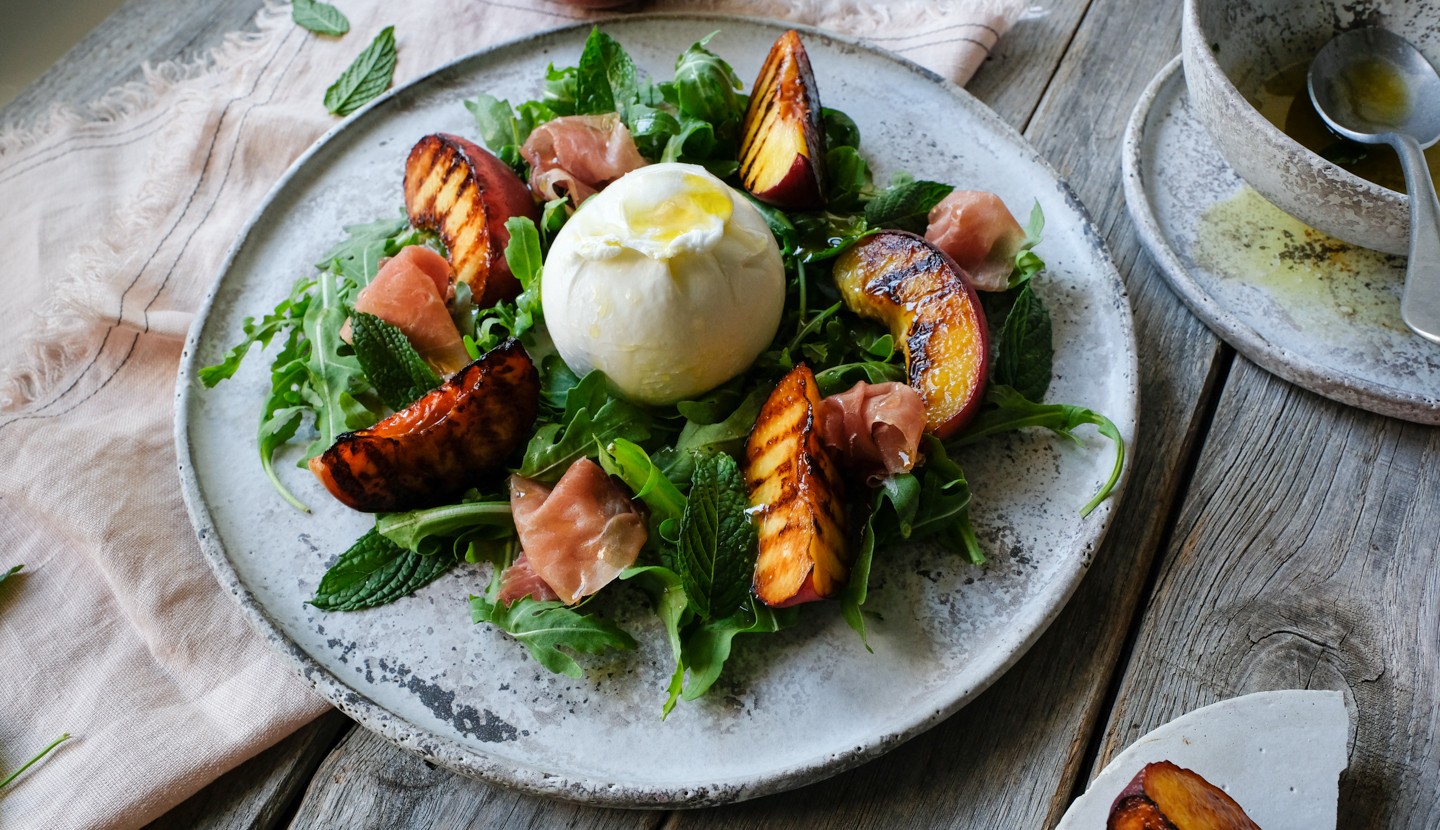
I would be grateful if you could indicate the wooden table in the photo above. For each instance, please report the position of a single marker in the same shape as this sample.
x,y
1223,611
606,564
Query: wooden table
x,y
1270,539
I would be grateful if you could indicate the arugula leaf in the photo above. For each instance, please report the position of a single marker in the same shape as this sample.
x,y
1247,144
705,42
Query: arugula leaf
x,y
285,315
284,409
593,417
905,206
431,530
368,76
561,89
849,181
726,436
398,372
1025,356
320,18
500,125
629,462
375,571
1007,410
707,649
334,378
652,128
544,628
358,257
717,541
605,78
840,129
522,254
706,86
672,606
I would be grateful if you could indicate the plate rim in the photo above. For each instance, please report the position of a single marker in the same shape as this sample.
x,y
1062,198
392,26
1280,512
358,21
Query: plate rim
x,y
453,755
1328,382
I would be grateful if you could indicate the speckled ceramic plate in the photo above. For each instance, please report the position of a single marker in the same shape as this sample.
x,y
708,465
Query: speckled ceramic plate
x,y
1318,312
790,709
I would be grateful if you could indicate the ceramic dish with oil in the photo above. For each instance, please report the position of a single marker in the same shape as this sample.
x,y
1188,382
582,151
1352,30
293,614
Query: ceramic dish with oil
x,y
1314,310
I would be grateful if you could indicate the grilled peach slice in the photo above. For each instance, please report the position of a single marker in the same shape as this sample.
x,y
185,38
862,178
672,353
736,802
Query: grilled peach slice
x,y
926,300
799,497
1164,796
782,141
441,444
465,195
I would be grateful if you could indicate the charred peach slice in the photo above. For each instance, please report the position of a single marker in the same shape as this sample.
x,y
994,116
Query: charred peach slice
x,y
923,297
441,444
1164,796
796,489
782,149
465,195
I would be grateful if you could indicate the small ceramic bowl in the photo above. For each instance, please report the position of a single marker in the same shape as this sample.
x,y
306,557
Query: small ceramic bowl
x,y
1231,47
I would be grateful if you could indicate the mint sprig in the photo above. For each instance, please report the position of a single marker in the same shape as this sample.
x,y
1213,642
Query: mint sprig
x,y
368,76
398,372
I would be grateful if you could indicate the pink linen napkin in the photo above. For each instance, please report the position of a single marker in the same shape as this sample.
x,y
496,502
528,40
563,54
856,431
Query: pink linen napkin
x,y
117,217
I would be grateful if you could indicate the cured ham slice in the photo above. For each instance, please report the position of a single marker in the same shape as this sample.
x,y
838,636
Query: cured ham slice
x,y
581,534
575,156
520,580
410,293
875,428
980,234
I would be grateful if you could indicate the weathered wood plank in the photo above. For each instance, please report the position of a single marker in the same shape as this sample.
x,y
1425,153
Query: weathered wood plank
x,y
367,782
257,794
1305,557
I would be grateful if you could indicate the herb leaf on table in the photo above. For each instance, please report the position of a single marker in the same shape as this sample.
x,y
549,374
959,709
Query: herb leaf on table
x,y
320,18
368,76
375,571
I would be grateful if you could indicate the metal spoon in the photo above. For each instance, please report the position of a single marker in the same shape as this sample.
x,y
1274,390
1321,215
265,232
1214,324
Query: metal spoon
x,y
1374,87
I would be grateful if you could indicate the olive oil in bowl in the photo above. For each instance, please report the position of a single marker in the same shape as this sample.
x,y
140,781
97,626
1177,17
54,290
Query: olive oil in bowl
x,y
1285,102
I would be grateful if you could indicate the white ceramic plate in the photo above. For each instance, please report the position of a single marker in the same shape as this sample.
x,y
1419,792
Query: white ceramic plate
x,y
1318,312
790,709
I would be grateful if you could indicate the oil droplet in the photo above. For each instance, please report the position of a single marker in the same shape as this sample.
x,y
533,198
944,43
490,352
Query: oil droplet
x,y
1376,91
1309,275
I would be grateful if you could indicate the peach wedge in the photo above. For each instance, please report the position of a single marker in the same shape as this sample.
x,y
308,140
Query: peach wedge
x,y
782,149
924,298
1163,796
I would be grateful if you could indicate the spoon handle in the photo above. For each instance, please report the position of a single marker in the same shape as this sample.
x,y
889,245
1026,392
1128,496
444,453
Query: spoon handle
x,y
1420,304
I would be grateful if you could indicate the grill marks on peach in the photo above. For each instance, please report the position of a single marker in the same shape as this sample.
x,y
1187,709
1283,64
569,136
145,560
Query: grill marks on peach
x,y
796,487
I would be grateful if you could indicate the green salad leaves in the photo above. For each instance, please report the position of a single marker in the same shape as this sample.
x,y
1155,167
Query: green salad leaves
x,y
682,463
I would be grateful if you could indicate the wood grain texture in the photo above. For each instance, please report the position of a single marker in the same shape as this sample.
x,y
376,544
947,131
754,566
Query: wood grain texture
x,y
368,783
257,794
1306,557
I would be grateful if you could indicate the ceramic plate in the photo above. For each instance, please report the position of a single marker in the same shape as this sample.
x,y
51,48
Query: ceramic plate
x,y
790,709
1307,307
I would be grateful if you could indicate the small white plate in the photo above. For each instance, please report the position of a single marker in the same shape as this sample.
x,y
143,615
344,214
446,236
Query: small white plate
x,y
1318,312
791,708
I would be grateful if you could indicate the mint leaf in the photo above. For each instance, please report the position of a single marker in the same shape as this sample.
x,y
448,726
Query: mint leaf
x,y
320,18
544,628
375,571
366,77
1025,356
905,207
717,541
1007,410
10,573
398,372
605,79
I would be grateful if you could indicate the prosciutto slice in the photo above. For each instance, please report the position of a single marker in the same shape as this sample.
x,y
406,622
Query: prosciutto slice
x,y
575,156
875,428
980,234
520,580
410,293
581,534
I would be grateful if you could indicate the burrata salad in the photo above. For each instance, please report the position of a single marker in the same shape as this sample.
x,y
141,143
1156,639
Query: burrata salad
x,y
663,333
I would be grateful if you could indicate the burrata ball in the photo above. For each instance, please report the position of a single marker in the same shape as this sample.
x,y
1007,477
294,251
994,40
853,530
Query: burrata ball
x,y
668,281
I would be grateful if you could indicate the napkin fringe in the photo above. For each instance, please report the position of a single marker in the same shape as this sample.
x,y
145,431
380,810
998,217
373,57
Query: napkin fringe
x,y
69,325
862,18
